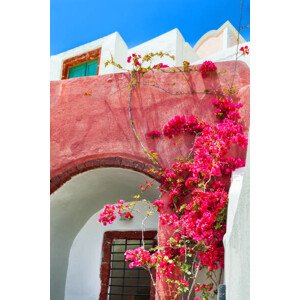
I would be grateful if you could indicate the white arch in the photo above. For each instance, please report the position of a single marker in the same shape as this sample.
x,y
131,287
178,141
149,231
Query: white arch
x,y
73,209
83,280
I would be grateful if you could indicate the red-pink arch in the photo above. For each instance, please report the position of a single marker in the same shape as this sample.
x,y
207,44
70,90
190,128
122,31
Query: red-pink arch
x,y
104,162
90,127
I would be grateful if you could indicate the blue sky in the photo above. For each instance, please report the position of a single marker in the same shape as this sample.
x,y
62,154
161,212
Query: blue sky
x,y
76,22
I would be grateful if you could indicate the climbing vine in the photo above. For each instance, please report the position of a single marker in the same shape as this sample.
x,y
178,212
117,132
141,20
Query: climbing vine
x,y
196,185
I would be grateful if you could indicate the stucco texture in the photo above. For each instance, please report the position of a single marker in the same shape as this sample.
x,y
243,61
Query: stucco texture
x,y
90,124
89,115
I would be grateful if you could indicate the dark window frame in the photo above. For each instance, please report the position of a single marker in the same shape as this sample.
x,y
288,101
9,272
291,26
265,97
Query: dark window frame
x,y
108,238
80,59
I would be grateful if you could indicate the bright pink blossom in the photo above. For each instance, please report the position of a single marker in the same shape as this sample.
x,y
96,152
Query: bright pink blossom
x,y
184,282
128,215
153,134
197,188
139,257
107,216
245,50
159,204
160,66
181,124
207,68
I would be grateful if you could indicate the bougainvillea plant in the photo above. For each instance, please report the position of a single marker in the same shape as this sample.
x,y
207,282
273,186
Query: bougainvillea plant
x,y
245,50
153,134
207,69
197,188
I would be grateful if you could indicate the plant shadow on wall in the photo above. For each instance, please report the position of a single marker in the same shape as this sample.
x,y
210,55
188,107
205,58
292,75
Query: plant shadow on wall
x,y
194,189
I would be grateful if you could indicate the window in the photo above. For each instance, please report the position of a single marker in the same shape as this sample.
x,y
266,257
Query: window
x,y
86,64
118,281
85,69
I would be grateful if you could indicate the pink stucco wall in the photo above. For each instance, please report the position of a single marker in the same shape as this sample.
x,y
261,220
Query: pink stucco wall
x,y
89,115
90,125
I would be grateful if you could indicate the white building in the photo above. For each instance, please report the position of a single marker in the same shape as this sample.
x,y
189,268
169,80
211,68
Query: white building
x,y
216,45
76,237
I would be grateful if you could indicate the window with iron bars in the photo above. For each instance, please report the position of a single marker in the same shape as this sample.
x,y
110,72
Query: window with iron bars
x,y
118,281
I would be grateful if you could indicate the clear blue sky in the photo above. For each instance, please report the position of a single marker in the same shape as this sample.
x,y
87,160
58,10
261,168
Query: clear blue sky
x,y
76,22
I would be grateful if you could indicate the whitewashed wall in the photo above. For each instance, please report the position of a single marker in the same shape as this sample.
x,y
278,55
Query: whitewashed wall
x,y
215,41
172,42
73,208
228,54
113,45
83,282
237,237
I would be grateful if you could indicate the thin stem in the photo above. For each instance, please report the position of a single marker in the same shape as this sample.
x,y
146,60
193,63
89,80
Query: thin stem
x,y
132,125
238,41
194,281
220,277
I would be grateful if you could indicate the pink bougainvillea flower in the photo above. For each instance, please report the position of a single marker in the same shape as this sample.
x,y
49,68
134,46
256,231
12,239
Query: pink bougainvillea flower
x,y
128,59
184,282
160,66
136,63
181,124
174,126
139,257
153,134
207,68
107,216
197,188
146,186
128,215
245,50
207,287
159,204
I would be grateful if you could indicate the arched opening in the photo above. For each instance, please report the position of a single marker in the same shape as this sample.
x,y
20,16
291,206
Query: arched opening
x,y
84,164
76,235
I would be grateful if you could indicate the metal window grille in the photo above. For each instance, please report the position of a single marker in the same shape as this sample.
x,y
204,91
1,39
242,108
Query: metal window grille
x,y
122,282
126,283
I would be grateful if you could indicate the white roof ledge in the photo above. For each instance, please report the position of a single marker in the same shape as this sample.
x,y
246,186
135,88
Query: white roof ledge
x,y
215,33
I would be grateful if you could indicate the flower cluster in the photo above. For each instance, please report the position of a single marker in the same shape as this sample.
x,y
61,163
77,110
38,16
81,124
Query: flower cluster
x,y
181,124
203,287
110,212
160,66
135,59
107,216
197,186
245,50
141,64
207,68
226,108
128,215
146,185
159,205
139,257
205,290
197,189
153,134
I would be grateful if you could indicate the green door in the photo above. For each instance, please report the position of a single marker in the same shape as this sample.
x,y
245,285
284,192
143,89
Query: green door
x,y
86,69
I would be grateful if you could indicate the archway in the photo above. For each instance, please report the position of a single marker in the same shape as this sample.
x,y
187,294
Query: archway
x,y
74,208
